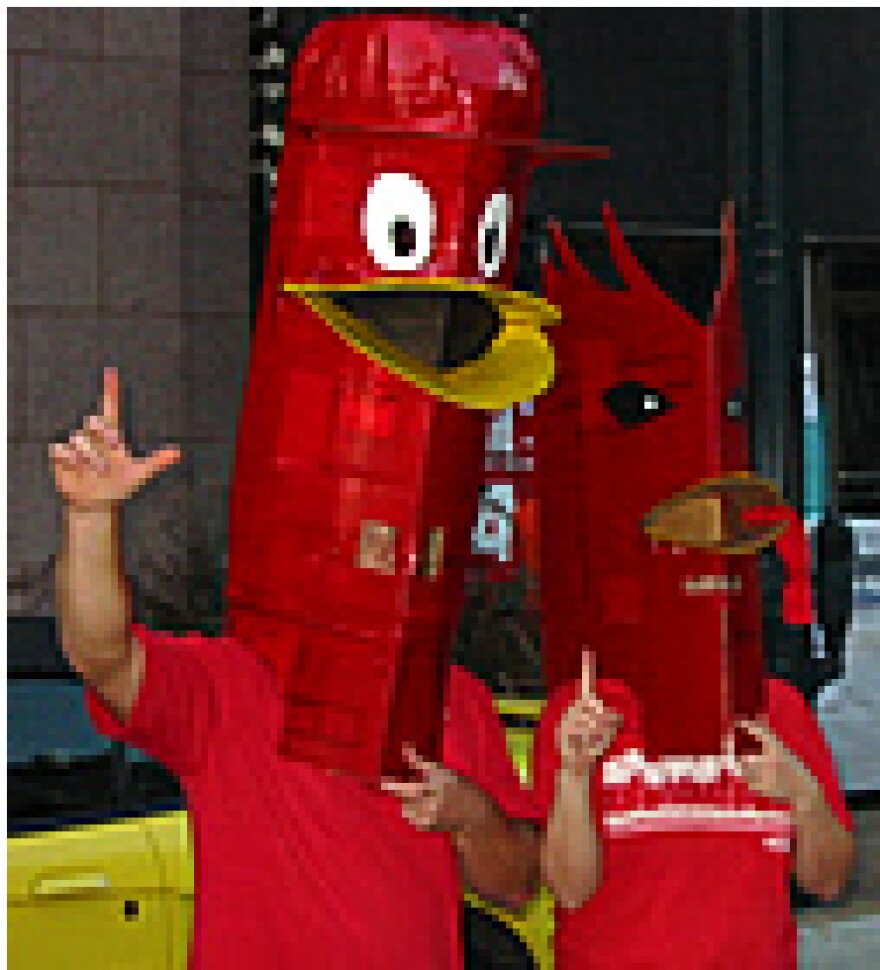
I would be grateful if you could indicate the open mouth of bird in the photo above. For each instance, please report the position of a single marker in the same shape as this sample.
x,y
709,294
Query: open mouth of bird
x,y
711,515
477,345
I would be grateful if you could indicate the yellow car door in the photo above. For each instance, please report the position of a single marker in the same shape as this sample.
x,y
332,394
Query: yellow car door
x,y
87,896
170,835
89,883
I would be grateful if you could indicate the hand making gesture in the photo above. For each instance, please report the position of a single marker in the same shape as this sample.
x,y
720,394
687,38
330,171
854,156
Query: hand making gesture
x,y
773,771
587,728
95,468
439,800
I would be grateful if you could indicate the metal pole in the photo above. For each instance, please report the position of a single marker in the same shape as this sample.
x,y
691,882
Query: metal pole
x,y
779,267
763,187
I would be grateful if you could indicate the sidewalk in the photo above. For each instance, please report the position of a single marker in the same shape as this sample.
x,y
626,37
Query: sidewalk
x,y
850,943
846,935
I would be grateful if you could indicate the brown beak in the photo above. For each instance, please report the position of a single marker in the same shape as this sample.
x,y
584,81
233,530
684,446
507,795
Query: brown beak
x,y
709,515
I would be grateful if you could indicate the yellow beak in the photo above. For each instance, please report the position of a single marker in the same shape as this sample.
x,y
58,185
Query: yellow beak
x,y
513,364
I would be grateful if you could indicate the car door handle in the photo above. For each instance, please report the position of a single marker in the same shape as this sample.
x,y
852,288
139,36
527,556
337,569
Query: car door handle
x,y
76,885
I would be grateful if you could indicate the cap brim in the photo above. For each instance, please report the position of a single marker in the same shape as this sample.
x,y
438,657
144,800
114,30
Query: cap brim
x,y
549,153
541,152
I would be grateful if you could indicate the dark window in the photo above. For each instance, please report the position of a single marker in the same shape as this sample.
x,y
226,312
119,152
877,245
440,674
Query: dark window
x,y
60,770
848,344
858,419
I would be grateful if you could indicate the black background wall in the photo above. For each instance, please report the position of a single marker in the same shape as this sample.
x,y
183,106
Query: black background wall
x,y
656,84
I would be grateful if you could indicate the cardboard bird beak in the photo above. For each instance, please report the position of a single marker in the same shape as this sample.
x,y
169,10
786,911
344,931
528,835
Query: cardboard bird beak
x,y
474,344
714,515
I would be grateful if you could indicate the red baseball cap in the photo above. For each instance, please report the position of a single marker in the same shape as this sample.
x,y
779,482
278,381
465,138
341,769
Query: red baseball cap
x,y
425,75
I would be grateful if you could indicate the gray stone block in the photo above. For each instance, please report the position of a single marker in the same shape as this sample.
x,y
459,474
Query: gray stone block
x,y
33,530
16,386
13,241
139,120
216,38
216,256
217,350
142,32
63,372
216,132
54,244
12,115
60,126
148,354
212,466
140,251
57,29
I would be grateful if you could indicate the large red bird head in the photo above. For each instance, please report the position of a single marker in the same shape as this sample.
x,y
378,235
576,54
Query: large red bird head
x,y
666,504
408,144
386,305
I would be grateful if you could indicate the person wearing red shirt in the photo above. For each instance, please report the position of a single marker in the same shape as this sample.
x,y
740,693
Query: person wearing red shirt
x,y
296,866
683,864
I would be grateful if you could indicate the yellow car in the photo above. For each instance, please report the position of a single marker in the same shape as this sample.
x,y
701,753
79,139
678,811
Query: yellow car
x,y
99,869
99,866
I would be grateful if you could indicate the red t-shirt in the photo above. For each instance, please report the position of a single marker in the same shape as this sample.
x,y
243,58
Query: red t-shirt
x,y
695,867
297,867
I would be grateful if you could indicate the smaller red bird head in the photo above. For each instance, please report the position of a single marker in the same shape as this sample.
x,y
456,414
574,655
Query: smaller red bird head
x,y
667,392
666,503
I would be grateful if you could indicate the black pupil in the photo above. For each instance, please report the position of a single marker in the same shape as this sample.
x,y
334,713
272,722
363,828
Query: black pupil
x,y
403,234
632,404
490,243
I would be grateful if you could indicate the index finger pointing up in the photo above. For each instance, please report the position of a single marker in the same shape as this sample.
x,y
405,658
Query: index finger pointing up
x,y
111,393
588,675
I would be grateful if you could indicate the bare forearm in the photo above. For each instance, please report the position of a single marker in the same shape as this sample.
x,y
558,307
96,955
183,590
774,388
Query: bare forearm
x,y
824,848
95,472
92,592
572,850
499,856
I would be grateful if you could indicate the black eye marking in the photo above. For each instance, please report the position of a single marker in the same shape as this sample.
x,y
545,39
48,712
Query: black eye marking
x,y
631,403
735,406
491,239
403,236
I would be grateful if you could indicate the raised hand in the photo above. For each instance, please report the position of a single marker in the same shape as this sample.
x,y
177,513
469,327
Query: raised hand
x,y
439,800
588,727
773,771
95,468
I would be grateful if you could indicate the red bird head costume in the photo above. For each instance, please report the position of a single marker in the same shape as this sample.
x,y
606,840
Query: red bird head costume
x,y
386,325
651,520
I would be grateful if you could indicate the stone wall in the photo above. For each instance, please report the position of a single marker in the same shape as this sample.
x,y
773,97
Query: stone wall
x,y
128,245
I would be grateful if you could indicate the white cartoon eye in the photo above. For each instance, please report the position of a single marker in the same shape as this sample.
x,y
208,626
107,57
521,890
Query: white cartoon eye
x,y
492,234
399,221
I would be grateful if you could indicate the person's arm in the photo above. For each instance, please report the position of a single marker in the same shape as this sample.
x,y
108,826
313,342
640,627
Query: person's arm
x,y
93,607
498,855
571,857
94,473
571,854
824,849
